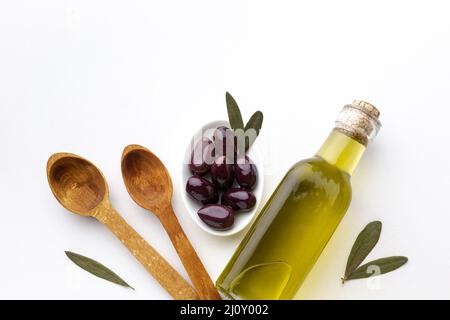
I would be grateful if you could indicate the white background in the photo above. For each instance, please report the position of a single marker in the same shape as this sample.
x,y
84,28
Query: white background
x,y
90,77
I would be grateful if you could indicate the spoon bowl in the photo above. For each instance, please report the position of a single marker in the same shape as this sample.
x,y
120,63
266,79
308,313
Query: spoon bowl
x,y
146,178
76,183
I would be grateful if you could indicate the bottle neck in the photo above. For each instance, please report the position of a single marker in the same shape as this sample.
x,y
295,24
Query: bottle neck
x,y
341,151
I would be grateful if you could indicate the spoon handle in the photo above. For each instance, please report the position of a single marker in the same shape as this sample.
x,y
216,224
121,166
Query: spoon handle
x,y
194,267
155,264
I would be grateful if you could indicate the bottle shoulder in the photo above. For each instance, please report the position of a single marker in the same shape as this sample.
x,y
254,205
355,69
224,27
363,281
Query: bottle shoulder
x,y
320,171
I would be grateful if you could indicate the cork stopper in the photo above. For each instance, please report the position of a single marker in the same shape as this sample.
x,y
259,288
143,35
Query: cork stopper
x,y
359,121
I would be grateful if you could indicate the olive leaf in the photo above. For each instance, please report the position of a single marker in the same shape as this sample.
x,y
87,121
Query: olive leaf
x,y
234,114
254,123
377,267
364,244
96,268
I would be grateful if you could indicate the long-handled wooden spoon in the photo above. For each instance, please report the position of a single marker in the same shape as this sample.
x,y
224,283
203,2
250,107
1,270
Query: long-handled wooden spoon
x,y
82,189
149,184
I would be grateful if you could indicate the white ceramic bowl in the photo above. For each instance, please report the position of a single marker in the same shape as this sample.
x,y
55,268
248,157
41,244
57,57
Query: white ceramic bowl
x,y
242,219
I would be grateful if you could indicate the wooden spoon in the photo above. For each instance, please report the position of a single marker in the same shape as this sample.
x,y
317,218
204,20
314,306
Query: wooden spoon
x,y
148,183
81,188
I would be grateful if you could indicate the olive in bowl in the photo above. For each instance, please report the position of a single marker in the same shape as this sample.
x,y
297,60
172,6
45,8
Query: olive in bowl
x,y
202,157
217,216
225,143
239,199
222,173
202,190
245,172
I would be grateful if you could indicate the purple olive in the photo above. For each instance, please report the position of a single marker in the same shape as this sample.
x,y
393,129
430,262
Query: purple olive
x,y
202,190
239,199
245,172
202,157
225,143
217,216
222,173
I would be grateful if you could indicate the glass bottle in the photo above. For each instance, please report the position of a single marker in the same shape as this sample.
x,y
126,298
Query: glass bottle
x,y
302,214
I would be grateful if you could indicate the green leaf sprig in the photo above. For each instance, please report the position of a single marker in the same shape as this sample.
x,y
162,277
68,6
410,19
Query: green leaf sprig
x,y
237,123
96,268
364,244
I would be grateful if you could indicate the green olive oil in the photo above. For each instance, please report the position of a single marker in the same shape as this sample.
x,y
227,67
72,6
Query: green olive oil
x,y
300,217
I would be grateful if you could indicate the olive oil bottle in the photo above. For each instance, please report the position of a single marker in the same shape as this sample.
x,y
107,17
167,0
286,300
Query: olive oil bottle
x,y
299,219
